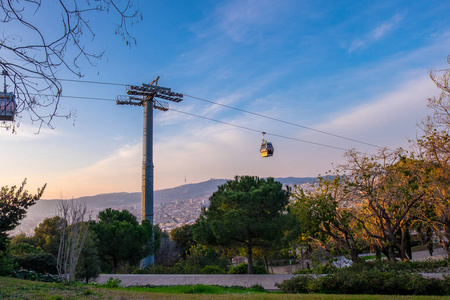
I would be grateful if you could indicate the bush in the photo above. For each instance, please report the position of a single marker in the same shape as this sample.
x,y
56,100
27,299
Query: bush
x,y
243,269
407,266
40,262
35,276
112,283
367,282
213,270
6,265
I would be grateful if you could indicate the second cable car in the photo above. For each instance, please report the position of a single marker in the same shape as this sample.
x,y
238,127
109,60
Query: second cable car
x,y
7,107
8,104
266,149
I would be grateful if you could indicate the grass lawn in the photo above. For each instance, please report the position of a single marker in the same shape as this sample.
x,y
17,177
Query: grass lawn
x,y
11,288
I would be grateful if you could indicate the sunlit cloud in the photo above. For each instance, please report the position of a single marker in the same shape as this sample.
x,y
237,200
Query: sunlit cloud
x,y
389,119
119,172
376,34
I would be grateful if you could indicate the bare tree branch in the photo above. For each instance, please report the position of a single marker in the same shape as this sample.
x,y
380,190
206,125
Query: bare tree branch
x,y
33,58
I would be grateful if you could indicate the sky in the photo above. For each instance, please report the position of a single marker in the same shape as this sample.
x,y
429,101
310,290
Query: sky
x,y
356,69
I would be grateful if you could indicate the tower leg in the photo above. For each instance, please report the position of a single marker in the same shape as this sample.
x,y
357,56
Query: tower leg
x,y
147,173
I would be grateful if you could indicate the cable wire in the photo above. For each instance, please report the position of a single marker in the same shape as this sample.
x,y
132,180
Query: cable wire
x,y
259,131
218,121
282,121
235,108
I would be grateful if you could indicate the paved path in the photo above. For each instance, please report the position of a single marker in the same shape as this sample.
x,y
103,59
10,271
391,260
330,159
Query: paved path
x,y
267,281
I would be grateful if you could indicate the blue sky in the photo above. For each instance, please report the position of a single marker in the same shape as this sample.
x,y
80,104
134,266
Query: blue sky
x,y
353,68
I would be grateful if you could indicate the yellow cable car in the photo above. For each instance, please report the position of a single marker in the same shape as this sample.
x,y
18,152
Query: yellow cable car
x,y
266,149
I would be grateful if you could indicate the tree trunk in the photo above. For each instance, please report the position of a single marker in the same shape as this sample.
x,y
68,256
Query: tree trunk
x,y
354,255
266,262
378,253
391,254
250,257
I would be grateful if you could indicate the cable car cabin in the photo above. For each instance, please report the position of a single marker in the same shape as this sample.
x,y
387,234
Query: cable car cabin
x,y
266,149
8,107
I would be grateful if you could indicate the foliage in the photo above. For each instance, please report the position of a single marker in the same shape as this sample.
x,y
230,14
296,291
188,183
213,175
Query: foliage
x,y
7,265
245,212
434,148
39,262
22,238
88,266
122,242
213,270
23,249
372,201
242,269
35,276
367,282
201,260
112,283
326,215
426,266
14,202
184,238
430,266
47,234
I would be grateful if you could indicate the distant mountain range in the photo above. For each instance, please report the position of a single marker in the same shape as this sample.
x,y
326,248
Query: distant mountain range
x,y
184,195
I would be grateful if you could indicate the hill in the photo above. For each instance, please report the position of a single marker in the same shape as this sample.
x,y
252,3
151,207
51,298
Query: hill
x,y
173,207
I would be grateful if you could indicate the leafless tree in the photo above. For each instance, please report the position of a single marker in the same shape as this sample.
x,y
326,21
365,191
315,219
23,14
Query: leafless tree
x,y
31,54
439,119
74,231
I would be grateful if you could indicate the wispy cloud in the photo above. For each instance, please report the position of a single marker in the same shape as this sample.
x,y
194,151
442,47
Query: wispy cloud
x,y
389,119
376,34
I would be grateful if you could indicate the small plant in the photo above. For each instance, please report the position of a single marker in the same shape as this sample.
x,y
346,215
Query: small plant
x,y
213,270
112,283
243,269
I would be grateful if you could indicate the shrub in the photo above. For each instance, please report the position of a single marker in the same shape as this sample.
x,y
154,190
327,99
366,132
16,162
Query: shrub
x,y
112,283
367,282
40,262
35,276
6,265
407,266
243,269
213,270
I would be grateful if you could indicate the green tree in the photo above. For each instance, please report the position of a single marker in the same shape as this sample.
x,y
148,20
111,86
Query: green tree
x,y
14,202
47,235
88,266
326,215
122,241
184,238
245,212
